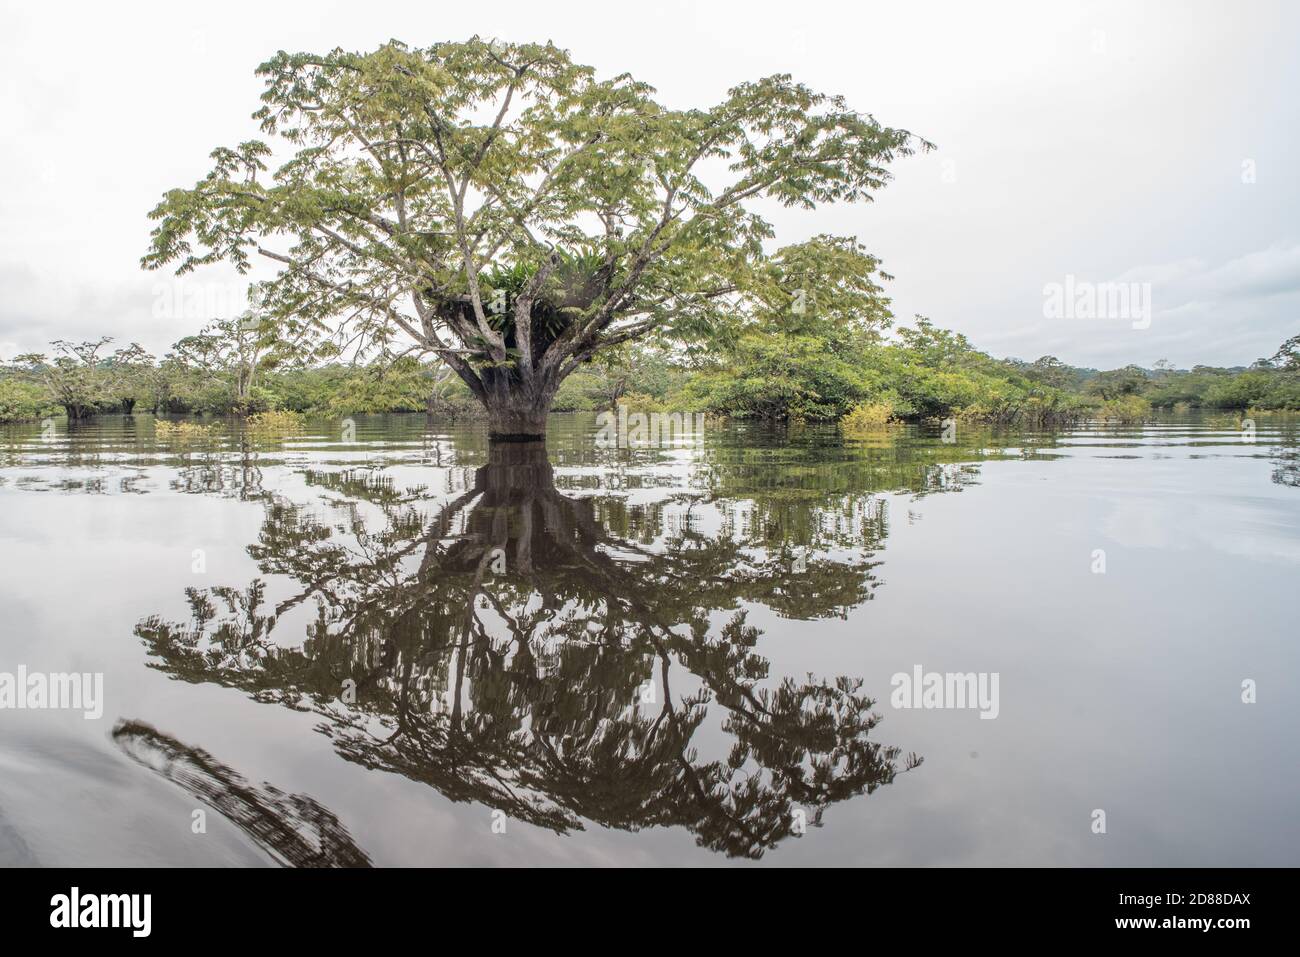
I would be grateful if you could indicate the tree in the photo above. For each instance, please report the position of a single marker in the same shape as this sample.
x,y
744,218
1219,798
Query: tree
x,y
388,383
1115,383
507,211
131,374
1288,355
81,379
21,401
1241,391
237,351
782,376
794,346
611,373
229,349
933,347
1050,371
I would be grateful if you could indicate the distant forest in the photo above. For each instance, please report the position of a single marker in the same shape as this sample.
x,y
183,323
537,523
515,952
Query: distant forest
x,y
819,374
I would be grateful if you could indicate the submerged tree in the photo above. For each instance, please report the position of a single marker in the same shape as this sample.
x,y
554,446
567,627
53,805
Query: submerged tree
x,y
795,349
238,352
508,212
235,352
82,379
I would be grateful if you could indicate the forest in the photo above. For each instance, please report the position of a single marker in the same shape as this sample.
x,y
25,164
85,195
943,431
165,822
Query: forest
x,y
836,373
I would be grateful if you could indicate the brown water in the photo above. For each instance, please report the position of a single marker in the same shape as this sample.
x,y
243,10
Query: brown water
x,y
403,647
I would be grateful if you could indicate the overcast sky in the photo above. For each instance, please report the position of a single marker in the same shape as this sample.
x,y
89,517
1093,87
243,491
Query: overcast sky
x,y
1150,142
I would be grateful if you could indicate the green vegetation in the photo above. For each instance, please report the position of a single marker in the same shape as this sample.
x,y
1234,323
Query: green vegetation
x,y
23,401
79,378
1125,409
846,368
867,417
1271,384
184,431
275,423
766,368
202,376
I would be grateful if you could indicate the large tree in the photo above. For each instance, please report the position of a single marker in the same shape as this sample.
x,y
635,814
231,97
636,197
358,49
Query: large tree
x,y
83,380
504,209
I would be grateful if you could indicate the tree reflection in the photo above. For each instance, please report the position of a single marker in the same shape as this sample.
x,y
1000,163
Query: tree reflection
x,y
555,656
1286,467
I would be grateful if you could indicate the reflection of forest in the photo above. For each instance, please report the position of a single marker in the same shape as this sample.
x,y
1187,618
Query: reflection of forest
x,y
556,656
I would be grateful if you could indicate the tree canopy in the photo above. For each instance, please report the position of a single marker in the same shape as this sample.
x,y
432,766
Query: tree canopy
x,y
501,207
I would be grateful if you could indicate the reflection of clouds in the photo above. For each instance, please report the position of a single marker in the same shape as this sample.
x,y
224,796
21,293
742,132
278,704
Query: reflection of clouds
x,y
1139,523
1254,531
14,851
1250,531
69,801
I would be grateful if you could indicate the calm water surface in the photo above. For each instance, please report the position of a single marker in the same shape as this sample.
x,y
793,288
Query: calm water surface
x,y
403,647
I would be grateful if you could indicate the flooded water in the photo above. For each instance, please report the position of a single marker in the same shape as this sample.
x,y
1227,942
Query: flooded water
x,y
386,642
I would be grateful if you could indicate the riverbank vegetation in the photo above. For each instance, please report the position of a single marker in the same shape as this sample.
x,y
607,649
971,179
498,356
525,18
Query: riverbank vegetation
x,y
836,373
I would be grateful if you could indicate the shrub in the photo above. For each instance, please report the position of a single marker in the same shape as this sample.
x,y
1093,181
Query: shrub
x,y
1239,392
184,431
1127,409
274,423
867,417
24,401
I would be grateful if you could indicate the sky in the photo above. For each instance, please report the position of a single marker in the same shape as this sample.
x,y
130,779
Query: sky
x,y
1149,144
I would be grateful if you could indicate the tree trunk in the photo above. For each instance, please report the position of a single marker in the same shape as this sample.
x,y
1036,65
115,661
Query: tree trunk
x,y
517,418
517,406
515,470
